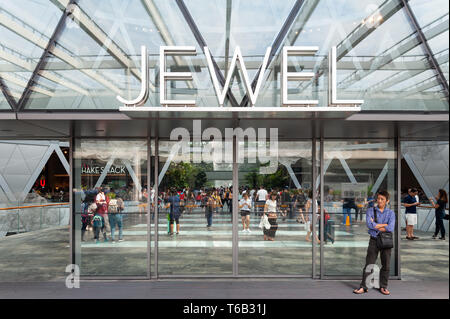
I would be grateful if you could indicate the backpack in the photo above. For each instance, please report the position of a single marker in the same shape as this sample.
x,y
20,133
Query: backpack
x,y
97,221
113,207
92,208
301,199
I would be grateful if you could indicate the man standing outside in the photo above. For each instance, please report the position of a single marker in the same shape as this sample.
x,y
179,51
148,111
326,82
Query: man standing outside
x,y
411,203
385,222
261,197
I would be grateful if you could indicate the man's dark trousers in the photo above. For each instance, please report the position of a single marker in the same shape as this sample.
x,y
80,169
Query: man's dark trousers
x,y
371,258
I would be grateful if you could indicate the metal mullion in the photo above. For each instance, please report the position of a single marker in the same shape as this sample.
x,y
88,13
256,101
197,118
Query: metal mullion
x,y
428,51
42,60
149,204
72,215
5,90
227,35
235,193
277,42
314,177
322,178
202,43
156,218
399,206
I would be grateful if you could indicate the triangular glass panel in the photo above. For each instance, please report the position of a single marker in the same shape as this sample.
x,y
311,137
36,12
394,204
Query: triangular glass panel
x,y
377,49
4,105
25,29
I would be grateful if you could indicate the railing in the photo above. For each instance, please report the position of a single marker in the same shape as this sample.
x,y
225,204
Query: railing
x,y
19,219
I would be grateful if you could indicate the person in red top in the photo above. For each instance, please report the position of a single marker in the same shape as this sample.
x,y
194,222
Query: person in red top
x,y
102,209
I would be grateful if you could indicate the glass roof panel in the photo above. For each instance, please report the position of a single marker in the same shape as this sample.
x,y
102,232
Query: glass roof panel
x,y
97,54
127,23
227,24
40,15
429,10
3,102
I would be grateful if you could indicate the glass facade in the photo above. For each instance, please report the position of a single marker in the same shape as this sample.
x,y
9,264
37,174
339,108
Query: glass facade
x,y
194,209
94,53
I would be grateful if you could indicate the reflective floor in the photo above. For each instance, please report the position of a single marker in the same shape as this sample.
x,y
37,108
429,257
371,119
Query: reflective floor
x,y
43,255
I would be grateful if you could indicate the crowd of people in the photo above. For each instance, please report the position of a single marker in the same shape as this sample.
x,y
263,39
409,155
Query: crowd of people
x,y
102,210
269,205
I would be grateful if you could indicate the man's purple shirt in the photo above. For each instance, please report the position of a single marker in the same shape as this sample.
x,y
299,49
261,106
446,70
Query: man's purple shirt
x,y
385,217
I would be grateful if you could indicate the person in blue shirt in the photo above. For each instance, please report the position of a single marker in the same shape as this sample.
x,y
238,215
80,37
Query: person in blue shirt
x,y
411,203
385,223
175,211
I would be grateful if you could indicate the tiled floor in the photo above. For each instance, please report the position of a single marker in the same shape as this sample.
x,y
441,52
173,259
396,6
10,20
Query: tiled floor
x,y
44,255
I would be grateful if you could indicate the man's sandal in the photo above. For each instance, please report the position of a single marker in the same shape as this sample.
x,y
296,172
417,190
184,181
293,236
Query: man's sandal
x,y
384,291
358,292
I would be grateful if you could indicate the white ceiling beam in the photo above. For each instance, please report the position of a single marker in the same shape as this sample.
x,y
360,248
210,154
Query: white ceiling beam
x,y
27,34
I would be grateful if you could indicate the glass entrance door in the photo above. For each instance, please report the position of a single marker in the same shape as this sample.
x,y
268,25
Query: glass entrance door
x,y
192,232
281,185
194,212
354,171
110,215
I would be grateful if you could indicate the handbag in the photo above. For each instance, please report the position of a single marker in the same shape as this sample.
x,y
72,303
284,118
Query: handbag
x,y
264,223
384,239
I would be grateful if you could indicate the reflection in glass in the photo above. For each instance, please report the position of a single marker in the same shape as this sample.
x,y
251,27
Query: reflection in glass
x,y
354,172
195,223
110,207
281,190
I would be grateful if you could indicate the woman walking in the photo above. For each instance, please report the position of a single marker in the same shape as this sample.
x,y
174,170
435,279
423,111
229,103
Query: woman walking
x,y
270,208
441,203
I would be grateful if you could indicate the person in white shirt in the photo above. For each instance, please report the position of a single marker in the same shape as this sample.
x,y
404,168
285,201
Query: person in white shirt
x,y
245,205
308,217
261,197
271,210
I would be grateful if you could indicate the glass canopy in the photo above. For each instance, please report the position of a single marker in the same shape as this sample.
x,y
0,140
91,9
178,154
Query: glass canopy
x,y
93,55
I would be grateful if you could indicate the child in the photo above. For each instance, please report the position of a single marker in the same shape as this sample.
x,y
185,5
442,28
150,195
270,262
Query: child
x,y
97,222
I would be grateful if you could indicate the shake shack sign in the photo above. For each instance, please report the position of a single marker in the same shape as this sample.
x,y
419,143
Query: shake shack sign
x,y
96,169
221,90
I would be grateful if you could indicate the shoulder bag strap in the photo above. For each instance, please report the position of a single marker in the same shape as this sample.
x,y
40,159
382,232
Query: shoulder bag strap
x,y
375,214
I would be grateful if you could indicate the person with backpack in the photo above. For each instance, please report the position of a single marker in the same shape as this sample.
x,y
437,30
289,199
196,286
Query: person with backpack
x,y
115,208
380,221
102,209
97,223
175,211
87,211
299,205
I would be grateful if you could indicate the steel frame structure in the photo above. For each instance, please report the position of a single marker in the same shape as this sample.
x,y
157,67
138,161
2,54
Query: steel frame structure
x,y
285,34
